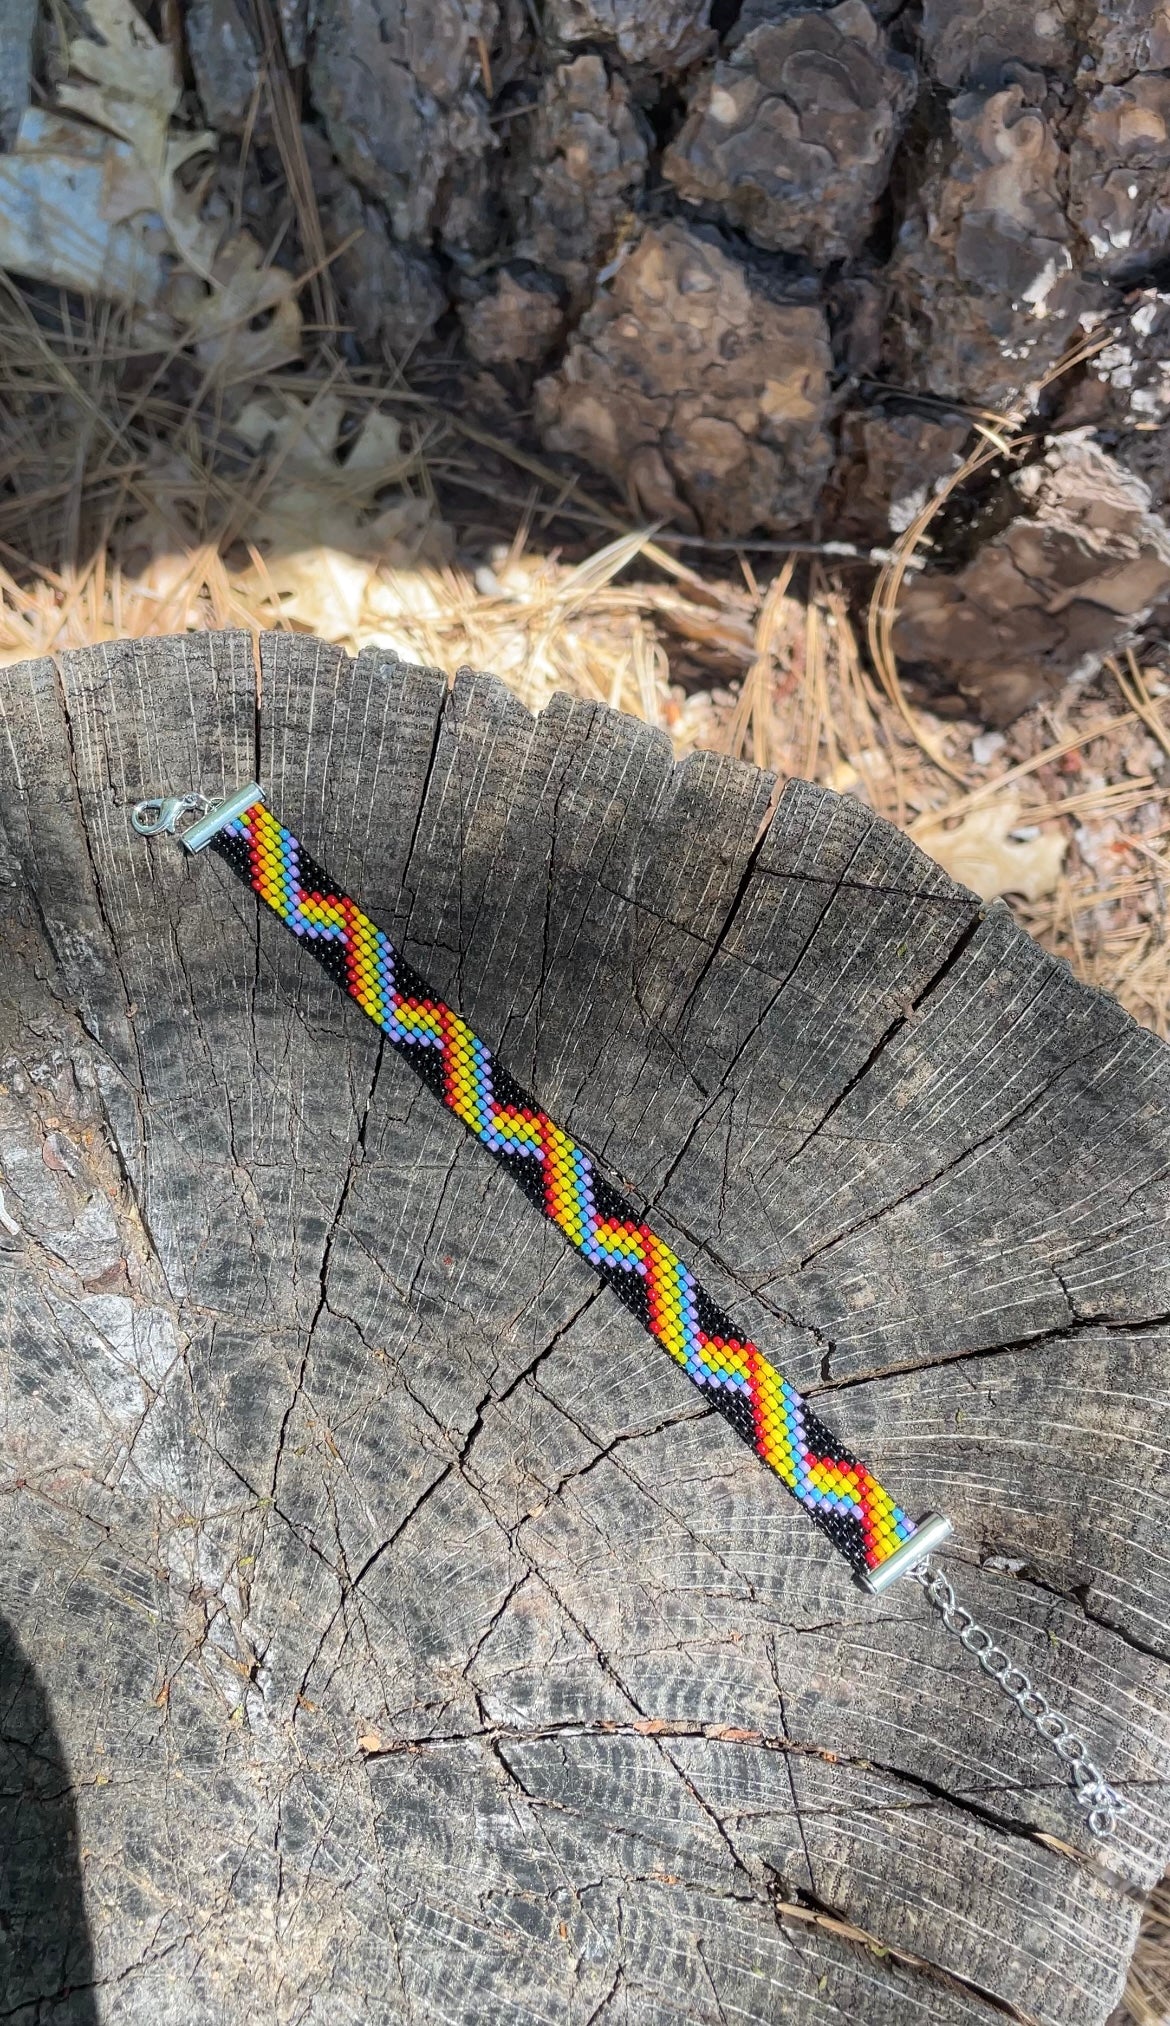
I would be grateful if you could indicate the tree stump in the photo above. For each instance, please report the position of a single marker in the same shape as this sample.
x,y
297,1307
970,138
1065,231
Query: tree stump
x,y
421,1647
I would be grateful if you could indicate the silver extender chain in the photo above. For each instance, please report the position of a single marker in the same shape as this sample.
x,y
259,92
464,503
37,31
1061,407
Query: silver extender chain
x,y
1101,1804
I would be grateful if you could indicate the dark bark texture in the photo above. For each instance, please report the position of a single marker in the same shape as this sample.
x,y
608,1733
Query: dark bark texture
x,y
419,1646
758,263
762,265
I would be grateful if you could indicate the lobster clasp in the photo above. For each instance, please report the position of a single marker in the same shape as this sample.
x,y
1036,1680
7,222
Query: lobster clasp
x,y
163,813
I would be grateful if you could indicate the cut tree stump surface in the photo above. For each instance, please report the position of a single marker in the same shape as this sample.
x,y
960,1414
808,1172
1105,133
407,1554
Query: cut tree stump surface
x,y
421,1647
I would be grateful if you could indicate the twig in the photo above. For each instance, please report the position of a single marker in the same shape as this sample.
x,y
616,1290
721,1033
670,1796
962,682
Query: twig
x,y
1001,435
883,606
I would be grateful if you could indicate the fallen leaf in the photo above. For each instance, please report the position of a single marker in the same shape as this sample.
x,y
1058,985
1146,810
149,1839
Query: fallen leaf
x,y
315,499
131,90
247,321
322,526
96,204
132,83
980,852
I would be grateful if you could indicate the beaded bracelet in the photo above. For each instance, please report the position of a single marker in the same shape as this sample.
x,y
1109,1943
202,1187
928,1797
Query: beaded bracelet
x,y
837,1490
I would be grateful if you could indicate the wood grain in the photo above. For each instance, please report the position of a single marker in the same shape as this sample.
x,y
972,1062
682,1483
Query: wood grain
x,y
420,1646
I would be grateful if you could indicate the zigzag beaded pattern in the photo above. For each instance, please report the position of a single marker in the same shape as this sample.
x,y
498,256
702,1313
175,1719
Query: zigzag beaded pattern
x,y
837,1490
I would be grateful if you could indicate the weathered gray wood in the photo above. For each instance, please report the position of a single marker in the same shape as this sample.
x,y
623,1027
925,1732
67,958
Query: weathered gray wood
x,y
420,1647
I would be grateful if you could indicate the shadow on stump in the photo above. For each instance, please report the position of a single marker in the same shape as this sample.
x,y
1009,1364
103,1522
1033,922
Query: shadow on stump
x,y
46,1958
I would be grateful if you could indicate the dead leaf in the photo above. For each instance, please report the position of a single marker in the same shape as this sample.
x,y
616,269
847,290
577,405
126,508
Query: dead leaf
x,y
981,853
315,498
132,90
96,204
323,530
247,321
132,85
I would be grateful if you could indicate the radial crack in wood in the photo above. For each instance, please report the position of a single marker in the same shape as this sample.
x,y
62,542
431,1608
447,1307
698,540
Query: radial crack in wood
x,y
420,1644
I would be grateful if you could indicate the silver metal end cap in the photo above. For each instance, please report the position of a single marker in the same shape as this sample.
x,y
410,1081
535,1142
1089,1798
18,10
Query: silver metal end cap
x,y
201,833
932,1529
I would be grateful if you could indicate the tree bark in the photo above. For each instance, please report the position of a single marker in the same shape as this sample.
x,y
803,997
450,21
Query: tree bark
x,y
420,1646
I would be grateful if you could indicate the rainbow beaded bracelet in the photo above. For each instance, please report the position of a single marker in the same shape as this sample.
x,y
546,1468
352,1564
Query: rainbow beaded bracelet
x,y
836,1489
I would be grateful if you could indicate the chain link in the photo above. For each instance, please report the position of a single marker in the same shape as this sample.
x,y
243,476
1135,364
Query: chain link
x,y
1101,1804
